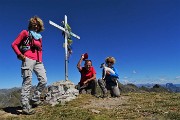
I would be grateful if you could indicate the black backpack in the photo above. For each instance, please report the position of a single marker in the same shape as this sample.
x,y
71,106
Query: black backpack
x,y
26,43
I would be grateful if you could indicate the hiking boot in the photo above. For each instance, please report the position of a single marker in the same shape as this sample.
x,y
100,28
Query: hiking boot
x,y
104,95
26,109
36,103
95,95
28,112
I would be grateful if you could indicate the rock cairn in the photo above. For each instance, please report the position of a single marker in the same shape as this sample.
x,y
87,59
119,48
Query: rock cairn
x,y
61,92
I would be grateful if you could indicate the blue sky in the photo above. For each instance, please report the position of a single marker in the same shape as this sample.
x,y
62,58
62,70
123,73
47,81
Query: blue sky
x,y
143,36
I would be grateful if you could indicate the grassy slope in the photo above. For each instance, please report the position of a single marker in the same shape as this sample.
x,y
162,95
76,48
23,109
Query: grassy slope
x,y
145,106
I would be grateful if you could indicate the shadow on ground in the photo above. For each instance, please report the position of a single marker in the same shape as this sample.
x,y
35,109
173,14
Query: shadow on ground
x,y
13,110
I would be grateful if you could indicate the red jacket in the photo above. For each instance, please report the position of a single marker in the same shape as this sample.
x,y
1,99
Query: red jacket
x,y
31,53
86,74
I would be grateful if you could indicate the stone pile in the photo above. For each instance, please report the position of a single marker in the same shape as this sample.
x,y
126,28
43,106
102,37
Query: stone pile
x,y
61,92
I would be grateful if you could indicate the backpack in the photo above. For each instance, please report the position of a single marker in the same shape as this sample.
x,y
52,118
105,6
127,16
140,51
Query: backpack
x,y
26,43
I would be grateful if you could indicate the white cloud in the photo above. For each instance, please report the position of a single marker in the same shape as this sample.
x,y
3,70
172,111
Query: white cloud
x,y
162,80
126,81
134,72
178,77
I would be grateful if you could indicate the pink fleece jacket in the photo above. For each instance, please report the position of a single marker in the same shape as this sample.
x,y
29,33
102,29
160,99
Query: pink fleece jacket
x,y
32,54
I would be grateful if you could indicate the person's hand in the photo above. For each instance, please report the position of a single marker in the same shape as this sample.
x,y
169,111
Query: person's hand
x,y
82,56
21,57
85,82
108,73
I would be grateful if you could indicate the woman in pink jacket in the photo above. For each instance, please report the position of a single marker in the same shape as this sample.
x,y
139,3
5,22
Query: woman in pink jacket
x,y
28,48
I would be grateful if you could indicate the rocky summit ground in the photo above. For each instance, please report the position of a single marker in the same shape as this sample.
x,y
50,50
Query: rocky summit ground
x,y
140,106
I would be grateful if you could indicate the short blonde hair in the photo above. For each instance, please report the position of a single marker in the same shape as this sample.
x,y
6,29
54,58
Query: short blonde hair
x,y
110,59
36,21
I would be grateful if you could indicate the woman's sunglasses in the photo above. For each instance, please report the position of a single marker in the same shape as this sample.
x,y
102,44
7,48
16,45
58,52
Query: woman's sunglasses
x,y
110,62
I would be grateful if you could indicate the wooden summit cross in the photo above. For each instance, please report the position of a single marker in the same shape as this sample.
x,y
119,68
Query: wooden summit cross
x,y
66,34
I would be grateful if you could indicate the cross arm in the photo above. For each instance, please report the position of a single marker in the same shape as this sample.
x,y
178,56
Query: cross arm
x,y
61,28
74,35
56,25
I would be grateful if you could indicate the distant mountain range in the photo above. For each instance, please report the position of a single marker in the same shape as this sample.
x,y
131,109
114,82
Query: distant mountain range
x,y
170,86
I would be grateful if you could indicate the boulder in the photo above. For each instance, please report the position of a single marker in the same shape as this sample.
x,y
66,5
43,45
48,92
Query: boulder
x,y
61,92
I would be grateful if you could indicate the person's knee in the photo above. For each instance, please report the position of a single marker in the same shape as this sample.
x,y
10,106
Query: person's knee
x,y
94,81
100,81
117,95
116,92
82,91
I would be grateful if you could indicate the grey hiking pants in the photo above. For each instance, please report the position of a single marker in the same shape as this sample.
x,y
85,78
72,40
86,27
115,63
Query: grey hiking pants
x,y
109,85
28,66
